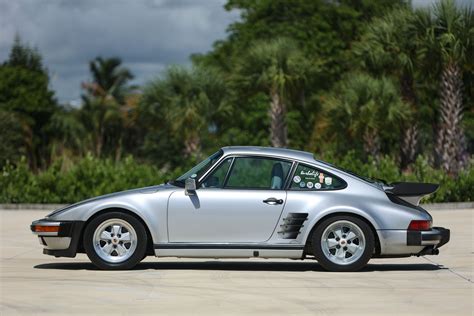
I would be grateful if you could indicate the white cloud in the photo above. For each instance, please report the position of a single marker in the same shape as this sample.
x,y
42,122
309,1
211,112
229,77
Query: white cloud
x,y
147,35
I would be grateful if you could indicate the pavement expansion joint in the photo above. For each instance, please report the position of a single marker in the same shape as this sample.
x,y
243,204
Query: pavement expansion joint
x,y
449,269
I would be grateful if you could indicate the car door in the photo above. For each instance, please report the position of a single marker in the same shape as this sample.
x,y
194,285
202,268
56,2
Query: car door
x,y
239,202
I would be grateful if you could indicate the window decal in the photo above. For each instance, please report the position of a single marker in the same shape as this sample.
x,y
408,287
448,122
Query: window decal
x,y
310,178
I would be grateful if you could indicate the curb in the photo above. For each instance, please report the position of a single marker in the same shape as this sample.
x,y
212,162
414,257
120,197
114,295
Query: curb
x,y
448,206
31,206
52,207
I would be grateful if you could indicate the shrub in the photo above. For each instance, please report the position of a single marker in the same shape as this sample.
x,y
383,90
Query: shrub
x,y
91,177
88,178
451,189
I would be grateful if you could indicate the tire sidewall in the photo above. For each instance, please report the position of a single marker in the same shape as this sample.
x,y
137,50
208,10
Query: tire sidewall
x,y
137,256
328,264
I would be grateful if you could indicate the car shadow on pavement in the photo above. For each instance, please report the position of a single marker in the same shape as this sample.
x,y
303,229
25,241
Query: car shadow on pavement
x,y
242,266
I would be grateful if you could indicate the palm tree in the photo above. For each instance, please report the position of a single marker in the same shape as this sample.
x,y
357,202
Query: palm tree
x,y
449,37
187,100
387,48
275,67
364,107
108,78
104,98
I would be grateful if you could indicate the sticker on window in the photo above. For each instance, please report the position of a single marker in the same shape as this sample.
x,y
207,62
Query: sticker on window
x,y
309,173
317,186
328,180
296,179
309,185
321,177
302,184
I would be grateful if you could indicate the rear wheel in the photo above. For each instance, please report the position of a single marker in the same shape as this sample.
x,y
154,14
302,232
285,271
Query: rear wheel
x,y
115,241
343,243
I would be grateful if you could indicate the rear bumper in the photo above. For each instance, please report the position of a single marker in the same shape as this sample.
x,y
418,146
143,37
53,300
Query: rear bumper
x,y
437,237
63,241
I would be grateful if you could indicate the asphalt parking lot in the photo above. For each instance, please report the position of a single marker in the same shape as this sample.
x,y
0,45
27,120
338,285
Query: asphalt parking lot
x,y
32,283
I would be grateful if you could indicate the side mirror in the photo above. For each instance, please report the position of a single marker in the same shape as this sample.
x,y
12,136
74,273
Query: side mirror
x,y
190,186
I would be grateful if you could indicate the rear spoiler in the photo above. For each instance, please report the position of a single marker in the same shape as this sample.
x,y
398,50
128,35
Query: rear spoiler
x,y
412,192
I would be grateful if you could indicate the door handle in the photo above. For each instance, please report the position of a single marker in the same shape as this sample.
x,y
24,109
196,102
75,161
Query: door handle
x,y
273,201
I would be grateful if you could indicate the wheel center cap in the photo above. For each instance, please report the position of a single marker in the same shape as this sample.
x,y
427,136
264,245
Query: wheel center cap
x,y
115,240
343,242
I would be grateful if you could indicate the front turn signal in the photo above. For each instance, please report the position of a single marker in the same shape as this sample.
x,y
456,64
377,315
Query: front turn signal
x,y
46,229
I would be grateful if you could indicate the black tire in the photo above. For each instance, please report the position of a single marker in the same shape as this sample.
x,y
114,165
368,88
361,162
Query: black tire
x,y
133,260
332,266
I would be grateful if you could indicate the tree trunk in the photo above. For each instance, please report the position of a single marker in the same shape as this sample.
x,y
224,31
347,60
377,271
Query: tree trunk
x,y
278,129
450,140
372,143
99,141
118,149
30,147
409,144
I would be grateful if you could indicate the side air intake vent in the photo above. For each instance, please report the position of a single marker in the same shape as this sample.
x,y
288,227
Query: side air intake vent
x,y
291,226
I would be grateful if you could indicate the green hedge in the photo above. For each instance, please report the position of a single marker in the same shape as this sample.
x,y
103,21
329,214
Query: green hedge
x,y
452,189
87,178
91,177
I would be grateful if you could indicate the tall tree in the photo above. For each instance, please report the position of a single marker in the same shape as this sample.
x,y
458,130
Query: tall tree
x,y
449,37
276,67
104,101
21,55
24,91
323,31
365,108
186,102
388,48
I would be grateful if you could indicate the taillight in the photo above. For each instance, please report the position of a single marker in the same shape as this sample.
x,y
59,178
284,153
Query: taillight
x,y
419,225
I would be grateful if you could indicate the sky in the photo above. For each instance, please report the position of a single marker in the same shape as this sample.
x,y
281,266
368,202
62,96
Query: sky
x,y
147,35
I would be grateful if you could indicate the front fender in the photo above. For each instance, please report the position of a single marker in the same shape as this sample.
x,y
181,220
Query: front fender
x,y
150,208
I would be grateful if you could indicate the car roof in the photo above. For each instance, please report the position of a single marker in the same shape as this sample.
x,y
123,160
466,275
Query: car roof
x,y
270,151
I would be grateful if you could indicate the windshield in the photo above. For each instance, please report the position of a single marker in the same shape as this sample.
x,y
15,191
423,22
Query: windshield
x,y
197,171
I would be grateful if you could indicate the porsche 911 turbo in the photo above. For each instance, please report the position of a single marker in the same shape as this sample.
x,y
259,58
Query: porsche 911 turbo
x,y
244,202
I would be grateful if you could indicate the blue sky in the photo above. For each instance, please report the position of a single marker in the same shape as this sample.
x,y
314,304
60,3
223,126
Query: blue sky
x,y
147,34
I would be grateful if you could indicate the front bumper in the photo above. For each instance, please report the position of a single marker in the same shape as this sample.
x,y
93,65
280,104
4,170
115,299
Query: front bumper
x,y
436,237
59,238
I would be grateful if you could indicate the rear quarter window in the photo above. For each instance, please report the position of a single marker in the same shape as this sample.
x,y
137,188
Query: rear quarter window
x,y
310,178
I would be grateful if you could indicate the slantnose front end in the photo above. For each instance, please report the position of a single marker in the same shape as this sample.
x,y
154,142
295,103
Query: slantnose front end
x,y
59,238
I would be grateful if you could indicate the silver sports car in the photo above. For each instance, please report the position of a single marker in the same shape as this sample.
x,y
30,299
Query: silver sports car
x,y
246,202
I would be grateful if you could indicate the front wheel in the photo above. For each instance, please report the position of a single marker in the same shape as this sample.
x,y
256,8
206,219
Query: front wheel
x,y
343,243
115,241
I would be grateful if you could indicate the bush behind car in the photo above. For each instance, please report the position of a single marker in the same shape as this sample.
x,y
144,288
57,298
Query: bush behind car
x,y
90,176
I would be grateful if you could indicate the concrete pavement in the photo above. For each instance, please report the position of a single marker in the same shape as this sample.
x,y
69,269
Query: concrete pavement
x,y
32,283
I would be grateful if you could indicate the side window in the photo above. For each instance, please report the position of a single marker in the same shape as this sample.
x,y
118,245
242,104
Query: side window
x,y
310,178
217,177
258,173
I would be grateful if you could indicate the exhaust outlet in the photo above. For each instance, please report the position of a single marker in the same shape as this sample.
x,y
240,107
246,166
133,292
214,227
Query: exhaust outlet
x,y
428,252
